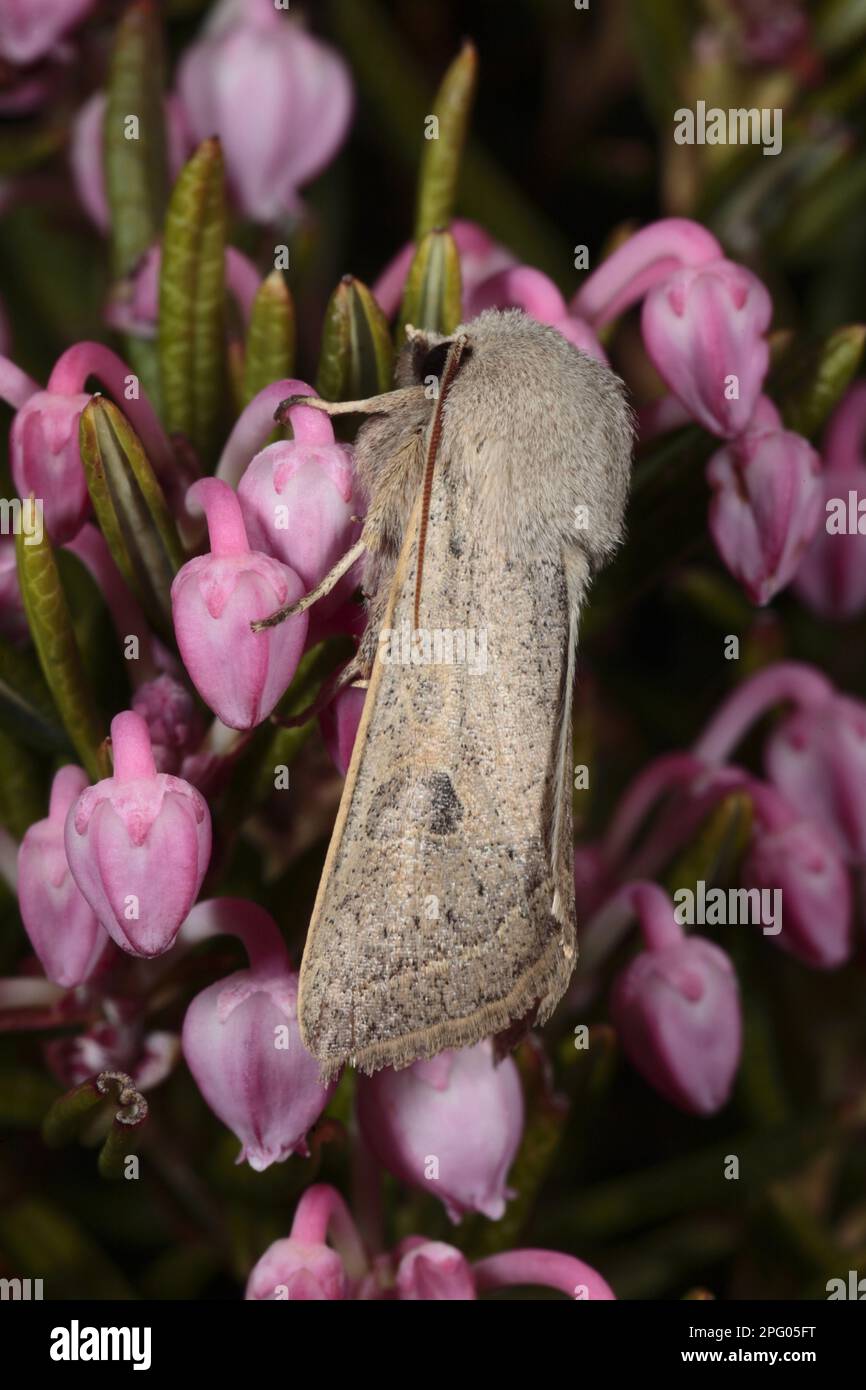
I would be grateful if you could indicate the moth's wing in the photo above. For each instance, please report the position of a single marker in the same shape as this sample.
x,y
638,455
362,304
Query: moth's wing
x,y
446,908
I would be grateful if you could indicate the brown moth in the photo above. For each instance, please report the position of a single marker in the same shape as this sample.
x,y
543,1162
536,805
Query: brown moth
x,y
496,475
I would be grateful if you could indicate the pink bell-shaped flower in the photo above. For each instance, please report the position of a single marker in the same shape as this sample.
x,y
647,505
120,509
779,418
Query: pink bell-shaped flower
x,y
242,1043
703,329
239,673
138,844
676,1009
450,1126
817,758
279,99
431,1271
304,1267
766,507
794,856
65,933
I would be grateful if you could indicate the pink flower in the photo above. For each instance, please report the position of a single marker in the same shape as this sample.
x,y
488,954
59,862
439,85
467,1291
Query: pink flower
x,y
172,719
242,1043
298,502
65,933
339,725
793,855
44,449
138,845
676,1009
703,329
304,1267
431,1271
30,28
648,258
279,99
239,673
450,1126
831,579
817,758
766,507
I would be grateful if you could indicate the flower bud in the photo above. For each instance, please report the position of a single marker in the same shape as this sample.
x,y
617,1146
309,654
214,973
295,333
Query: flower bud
x,y
795,857
242,1044
676,1010
138,844
172,719
297,1272
46,462
279,99
65,934
765,509
239,673
450,1126
432,1271
817,759
297,502
703,329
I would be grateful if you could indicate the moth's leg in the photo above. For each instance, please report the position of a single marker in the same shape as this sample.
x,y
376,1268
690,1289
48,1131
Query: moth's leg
x,y
353,674
384,404
343,565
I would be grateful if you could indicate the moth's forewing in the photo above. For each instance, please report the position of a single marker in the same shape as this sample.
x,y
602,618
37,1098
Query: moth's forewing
x,y
434,925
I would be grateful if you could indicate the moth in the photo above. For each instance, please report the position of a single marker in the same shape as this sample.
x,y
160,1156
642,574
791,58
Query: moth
x,y
496,475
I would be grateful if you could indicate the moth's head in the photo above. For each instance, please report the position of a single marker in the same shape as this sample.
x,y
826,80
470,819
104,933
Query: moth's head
x,y
423,356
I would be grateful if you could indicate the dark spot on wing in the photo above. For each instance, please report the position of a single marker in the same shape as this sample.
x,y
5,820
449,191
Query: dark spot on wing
x,y
443,811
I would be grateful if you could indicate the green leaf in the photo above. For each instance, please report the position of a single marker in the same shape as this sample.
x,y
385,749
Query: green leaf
x,y
25,1095
660,36
130,507
27,710
270,348
814,380
433,294
136,178
191,334
357,355
54,639
443,145
22,793
41,1241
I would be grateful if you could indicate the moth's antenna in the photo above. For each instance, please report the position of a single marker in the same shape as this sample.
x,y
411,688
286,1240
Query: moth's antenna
x,y
450,371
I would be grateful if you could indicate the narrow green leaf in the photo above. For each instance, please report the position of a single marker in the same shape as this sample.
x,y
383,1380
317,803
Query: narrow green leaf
x,y
27,710
357,354
270,348
59,657
433,294
130,507
443,143
136,178
191,334
817,379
